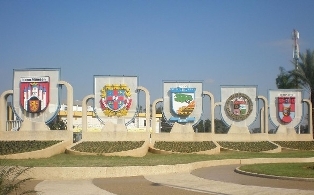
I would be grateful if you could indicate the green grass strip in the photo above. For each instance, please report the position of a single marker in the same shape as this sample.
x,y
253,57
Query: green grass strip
x,y
68,160
305,170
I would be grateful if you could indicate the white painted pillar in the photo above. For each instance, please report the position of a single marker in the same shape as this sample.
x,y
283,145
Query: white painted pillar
x,y
262,122
3,109
69,104
147,106
310,124
212,109
154,114
84,112
215,104
265,116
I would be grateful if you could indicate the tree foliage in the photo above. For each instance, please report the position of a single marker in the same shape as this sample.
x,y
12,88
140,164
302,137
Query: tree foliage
x,y
302,76
285,80
10,182
220,127
203,126
57,124
304,70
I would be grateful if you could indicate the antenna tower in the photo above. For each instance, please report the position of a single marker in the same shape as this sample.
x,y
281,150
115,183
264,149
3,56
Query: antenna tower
x,y
296,51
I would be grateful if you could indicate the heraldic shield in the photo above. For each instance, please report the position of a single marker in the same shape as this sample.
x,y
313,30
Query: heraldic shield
x,y
34,94
115,99
182,104
286,109
238,105
182,101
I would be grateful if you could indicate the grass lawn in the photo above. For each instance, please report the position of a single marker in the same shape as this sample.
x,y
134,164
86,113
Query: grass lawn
x,y
67,160
305,170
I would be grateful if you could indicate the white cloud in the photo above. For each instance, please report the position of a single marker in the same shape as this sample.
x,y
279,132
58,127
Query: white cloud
x,y
209,80
284,43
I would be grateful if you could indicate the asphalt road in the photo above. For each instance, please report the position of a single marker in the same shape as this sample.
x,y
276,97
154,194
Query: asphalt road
x,y
226,174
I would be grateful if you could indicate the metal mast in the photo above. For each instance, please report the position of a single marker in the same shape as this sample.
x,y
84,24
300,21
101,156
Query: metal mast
x,y
296,51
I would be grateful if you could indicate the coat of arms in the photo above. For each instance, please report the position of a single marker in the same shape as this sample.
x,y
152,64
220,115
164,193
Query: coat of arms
x,y
286,109
238,106
34,93
183,104
115,100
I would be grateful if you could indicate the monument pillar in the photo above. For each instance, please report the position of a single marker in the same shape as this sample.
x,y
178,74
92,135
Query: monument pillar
x,y
212,109
3,109
265,115
147,106
310,124
84,111
69,104
154,114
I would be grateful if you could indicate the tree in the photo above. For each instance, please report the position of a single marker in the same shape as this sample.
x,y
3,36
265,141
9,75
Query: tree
x,y
203,126
302,75
57,124
220,127
304,71
207,125
140,109
199,127
159,110
165,127
285,80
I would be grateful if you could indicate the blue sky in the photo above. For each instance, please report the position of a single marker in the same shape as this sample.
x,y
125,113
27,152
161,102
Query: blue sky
x,y
219,42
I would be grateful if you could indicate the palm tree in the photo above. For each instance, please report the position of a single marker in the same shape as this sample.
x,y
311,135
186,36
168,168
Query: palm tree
x,y
301,77
285,80
10,182
304,71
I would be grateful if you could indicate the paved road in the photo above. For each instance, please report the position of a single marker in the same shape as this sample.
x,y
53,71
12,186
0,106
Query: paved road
x,y
220,180
227,174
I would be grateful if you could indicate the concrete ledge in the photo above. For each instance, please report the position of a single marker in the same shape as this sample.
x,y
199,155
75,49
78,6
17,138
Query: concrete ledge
x,y
181,137
36,135
65,173
276,150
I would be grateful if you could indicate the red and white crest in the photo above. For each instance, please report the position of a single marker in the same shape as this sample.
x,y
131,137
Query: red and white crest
x,y
34,93
286,109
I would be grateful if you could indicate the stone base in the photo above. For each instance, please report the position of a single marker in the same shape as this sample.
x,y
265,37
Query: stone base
x,y
239,130
284,130
111,127
178,128
28,125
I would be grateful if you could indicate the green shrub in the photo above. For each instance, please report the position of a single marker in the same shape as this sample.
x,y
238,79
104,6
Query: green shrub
x,y
185,147
14,147
299,145
107,146
248,146
10,182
